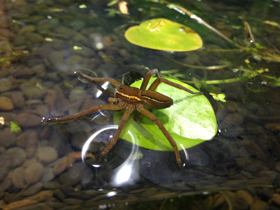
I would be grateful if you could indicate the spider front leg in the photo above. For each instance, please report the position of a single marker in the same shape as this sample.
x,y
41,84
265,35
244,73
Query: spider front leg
x,y
110,107
96,79
127,113
147,78
151,116
156,83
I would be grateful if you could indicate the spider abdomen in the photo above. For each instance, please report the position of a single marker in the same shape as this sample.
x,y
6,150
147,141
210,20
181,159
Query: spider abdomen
x,y
155,100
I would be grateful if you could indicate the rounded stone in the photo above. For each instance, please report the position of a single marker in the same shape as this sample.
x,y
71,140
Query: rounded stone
x,y
5,85
17,178
62,164
27,120
259,205
74,59
34,92
7,138
33,173
18,155
46,154
48,175
18,99
34,38
6,104
244,196
33,189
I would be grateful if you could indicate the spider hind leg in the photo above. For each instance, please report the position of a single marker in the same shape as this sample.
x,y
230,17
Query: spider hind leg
x,y
152,117
127,113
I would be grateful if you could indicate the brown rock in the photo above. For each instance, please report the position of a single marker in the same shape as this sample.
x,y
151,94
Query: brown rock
x,y
259,205
36,206
243,199
22,139
6,33
38,69
33,173
18,178
18,99
74,59
34,38
273,126
29,141
32,144
42,196
5,84
46,154
72,201
18,156
33,92
27,120
62,164
50,100
275,199
277,166
8,116
7,138
32,189
48,175
6,164
6,104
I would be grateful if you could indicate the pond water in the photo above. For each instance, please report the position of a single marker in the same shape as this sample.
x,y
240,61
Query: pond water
x,y
43,43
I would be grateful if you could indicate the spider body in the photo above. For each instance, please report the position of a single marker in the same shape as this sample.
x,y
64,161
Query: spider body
x,y
128,99
150,99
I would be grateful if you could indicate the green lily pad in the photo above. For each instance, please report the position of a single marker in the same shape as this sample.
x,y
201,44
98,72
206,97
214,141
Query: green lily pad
x,y
190,120
163,34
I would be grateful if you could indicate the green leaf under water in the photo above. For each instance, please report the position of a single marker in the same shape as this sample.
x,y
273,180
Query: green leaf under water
x,y
190,120
15,128
163,34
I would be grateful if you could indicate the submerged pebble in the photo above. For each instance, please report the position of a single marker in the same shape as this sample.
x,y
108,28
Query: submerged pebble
x,y
33,92
5,85
33,173
27,120
46,154
18,155
7,138
6,104
18,178
62,164
18,99
33,189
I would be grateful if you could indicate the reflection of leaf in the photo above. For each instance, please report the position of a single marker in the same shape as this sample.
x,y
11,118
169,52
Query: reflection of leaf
x,y
163,34
190,121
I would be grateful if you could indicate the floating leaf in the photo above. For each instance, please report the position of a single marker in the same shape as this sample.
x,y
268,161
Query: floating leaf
x,y
190,120
163,34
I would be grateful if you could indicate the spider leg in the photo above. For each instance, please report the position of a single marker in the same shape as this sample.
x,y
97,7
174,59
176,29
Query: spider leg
x,y
103,79
159,80
126,115
110,107
113,100
151,116
147,78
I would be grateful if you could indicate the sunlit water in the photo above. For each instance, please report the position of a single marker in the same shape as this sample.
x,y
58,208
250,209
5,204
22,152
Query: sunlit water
x,y
50,41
